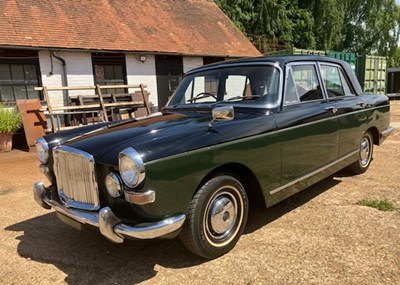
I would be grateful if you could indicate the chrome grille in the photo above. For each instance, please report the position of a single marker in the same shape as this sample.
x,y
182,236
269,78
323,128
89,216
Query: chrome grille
x,y
76,178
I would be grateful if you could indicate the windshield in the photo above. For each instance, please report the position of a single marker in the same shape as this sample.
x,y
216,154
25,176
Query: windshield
x,y
246,83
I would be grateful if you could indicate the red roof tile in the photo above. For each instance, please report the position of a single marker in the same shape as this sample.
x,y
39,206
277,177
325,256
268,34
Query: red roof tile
x,y
189,27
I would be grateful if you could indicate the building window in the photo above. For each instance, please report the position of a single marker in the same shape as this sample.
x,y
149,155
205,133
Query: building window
x,y
212,59
109,69
19,74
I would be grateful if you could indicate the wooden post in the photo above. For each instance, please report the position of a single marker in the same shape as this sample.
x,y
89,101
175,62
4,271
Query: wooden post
x,y
49,108
103,108
146,104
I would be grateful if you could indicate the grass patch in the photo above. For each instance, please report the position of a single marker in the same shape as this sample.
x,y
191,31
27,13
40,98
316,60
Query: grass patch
x,y
381,205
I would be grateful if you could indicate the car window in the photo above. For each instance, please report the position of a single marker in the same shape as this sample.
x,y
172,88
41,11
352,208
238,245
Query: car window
x,y
201,85
347,90
246,84
302,84
290,91
335,81
235,86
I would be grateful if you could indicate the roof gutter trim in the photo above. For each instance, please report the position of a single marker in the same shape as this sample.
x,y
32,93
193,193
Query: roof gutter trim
x,y
60,49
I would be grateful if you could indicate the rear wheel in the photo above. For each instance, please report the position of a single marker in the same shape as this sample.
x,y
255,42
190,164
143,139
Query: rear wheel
x,y
216,218
364,154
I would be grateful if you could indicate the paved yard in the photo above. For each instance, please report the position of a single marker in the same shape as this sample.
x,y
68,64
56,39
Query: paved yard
x,y
319,236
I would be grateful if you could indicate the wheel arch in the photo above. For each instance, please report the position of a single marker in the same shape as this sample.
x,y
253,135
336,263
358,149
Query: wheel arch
x,y
245,176
375,135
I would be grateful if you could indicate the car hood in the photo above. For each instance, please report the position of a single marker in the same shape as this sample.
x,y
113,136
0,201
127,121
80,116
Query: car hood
x,y
165,135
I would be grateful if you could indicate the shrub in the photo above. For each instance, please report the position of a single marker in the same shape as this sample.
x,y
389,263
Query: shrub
x,y
10,120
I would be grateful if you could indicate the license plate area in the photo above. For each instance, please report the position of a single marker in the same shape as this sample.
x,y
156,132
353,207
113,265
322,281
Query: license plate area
x,y
69,221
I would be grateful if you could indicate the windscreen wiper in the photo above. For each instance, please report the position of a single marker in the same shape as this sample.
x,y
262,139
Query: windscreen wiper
x,y
247,97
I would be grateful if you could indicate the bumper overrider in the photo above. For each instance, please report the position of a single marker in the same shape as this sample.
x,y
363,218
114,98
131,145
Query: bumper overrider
x,y
109,225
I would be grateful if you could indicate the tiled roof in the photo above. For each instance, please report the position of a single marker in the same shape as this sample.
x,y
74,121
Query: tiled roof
x,y
188,27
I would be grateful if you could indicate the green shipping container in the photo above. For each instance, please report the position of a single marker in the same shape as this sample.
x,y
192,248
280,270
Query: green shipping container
x,y
371,72
309,52
297,51
349,57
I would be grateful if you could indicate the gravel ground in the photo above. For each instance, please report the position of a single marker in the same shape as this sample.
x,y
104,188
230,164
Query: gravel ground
x,y
319,236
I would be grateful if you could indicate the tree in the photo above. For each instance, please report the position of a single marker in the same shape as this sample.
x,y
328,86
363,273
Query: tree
x,y
371,26
361,26
265,22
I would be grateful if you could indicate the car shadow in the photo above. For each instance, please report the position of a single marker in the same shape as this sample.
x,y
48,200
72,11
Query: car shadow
x,y
86,257
260,216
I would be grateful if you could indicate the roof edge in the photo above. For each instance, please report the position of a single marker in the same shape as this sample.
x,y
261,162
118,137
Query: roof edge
x,y
39,48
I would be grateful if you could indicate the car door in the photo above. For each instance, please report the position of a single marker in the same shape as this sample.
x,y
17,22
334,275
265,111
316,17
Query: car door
x,y
307,124
349,106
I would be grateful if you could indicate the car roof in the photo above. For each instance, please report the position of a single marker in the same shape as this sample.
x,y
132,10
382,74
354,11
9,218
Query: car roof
x,y
282,60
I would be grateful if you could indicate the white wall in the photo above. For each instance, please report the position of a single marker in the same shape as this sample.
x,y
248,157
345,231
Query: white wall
x,y
80,72
78,68
143,73
51,77
191,62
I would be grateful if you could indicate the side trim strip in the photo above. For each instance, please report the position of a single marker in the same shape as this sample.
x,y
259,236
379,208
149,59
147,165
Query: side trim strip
x,y
272,132
314,172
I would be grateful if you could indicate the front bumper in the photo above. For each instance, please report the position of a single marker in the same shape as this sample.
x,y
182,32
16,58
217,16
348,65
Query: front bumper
x,y
110,226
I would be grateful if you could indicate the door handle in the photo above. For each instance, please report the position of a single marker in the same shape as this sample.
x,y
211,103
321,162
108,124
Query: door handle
x,y
331,108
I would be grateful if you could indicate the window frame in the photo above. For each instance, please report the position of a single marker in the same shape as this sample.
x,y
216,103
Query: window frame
x,y
289,72
21,59
107,60
277,104
345,76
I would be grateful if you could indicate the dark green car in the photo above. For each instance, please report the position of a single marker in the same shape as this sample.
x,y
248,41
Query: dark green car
x,y
233,134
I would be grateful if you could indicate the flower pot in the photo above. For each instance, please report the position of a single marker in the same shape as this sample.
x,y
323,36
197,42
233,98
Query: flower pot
x,y
5,142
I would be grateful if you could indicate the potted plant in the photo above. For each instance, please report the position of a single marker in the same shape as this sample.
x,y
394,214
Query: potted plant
x,y
10,122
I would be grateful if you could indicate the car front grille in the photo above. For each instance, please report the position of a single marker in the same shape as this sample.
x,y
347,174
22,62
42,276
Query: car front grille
x,y
76,178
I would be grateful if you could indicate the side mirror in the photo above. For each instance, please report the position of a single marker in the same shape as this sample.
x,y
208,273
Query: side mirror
x,y
224,113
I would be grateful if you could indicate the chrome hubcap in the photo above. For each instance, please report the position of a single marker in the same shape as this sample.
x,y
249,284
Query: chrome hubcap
x,y
222,215
364,151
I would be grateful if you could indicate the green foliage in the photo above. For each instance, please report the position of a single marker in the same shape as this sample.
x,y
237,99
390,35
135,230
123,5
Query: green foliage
x,y
395,59
10,120
361,26
381,205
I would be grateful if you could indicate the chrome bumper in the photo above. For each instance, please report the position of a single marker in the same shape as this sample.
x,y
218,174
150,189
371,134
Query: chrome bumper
x,y
385,133
110,226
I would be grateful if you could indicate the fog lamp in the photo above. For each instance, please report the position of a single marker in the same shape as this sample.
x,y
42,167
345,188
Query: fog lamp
x,y
113,185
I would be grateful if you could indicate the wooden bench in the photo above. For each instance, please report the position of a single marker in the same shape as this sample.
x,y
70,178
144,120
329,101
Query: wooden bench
x,y
98,107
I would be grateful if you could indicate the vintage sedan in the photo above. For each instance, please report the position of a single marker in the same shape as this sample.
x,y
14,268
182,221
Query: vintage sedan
x,y
233,134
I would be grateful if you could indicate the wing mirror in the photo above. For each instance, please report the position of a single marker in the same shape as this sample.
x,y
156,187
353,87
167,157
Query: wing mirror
x,y
224,113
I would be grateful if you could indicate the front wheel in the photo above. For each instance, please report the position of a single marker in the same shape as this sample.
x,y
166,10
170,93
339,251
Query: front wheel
x,y
216,218
364,154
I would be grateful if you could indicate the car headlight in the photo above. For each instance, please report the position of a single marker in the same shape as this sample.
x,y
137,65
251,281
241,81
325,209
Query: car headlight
x,y
131,167
42,149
